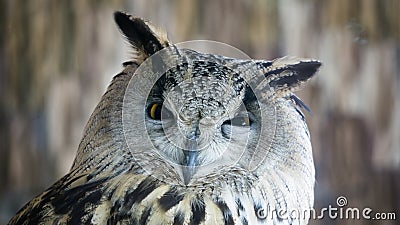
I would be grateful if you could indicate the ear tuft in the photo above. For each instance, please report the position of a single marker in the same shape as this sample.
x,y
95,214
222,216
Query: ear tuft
x,y
144,38
287,74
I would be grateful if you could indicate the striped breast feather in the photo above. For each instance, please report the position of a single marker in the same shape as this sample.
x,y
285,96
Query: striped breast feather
x,y
143,199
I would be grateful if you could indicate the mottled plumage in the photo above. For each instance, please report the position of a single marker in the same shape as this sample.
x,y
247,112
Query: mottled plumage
x,y
215,140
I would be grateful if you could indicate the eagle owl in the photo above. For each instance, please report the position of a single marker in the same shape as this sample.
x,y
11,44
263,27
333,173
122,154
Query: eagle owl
x,y
185,137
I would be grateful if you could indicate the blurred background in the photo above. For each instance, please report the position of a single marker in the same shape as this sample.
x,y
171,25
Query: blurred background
x,y
57,58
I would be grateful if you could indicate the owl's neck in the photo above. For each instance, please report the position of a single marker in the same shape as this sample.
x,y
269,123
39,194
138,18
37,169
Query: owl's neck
x,y
103,134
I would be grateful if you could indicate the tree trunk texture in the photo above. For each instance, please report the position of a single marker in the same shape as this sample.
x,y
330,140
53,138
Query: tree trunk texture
x,y
57,58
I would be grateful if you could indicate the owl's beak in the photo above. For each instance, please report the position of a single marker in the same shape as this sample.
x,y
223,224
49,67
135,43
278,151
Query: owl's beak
x,y
189,165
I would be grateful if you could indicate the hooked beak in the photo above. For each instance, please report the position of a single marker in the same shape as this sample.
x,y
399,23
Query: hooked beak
x,y
189,165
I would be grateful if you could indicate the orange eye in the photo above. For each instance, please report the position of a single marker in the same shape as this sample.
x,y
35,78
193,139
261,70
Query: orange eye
x,y
155,111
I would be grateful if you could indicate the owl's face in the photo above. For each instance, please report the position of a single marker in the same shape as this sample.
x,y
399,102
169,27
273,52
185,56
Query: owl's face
x,y
200,110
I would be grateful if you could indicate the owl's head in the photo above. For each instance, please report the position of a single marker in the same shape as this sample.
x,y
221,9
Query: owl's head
x,y
201,112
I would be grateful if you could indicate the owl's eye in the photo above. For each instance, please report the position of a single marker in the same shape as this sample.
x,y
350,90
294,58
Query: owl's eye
x,y
154,111
157,112
239,121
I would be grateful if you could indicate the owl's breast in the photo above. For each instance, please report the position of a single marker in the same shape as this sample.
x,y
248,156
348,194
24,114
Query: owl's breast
x,y
235,198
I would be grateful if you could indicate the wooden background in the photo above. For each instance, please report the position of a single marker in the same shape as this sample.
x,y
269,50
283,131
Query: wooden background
x,y
57,58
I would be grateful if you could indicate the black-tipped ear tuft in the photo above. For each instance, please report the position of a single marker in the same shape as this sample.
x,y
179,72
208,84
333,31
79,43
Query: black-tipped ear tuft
x,y
287,74
145,38
295,74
